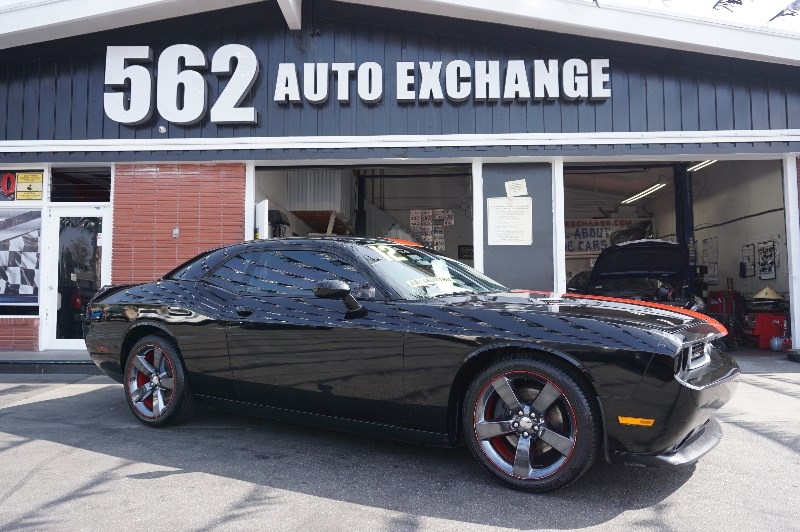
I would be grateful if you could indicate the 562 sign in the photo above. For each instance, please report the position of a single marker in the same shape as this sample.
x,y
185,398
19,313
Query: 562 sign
x,y
180,90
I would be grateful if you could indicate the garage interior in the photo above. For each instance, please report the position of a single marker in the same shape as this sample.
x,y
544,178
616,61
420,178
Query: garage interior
x,y
730,213
735,230
431,205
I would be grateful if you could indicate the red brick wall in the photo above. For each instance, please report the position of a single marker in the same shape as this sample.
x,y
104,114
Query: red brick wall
x,y
204,201
19,334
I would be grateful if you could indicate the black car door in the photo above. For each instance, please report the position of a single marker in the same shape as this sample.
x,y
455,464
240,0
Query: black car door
x,y
294,351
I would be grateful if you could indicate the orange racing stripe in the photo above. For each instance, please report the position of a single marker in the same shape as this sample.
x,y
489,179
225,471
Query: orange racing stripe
x,y
708,319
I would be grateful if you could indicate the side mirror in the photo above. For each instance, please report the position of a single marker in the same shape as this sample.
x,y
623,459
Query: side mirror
x,y
336,289
331,289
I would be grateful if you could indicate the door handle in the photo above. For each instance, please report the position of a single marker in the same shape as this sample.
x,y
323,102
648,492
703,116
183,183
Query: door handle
x,y
244,311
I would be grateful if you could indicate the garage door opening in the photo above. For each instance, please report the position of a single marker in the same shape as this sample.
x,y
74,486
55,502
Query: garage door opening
x,y
428,204
729,215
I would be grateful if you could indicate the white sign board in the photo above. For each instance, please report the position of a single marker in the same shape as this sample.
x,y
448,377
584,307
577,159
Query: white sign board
x,y
516,188
174,83
510,221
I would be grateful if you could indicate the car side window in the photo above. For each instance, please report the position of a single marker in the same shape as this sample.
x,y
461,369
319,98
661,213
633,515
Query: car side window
x,y
288,273
297,272
234,274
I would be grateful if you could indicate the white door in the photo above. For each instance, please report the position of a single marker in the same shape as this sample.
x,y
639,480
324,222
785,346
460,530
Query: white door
x,y
77,263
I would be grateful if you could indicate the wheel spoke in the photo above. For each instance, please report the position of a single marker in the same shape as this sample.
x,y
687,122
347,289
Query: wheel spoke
x,y
489,429
546,397
522,460
557,441
141,393
158,402
158,359
166,382
503,388
142,365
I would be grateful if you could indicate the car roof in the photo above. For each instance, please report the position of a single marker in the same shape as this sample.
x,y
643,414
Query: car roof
x,y
333,240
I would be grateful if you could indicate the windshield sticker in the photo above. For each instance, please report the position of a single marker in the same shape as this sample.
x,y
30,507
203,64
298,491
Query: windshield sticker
x,y
440,268
427,281
388,253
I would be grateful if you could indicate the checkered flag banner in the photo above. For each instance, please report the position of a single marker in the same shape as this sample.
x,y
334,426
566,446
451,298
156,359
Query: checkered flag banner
x,y
19,256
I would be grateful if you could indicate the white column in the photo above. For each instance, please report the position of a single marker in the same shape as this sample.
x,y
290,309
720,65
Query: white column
x,y
559,235
477,213
46,307
291,12
792,212
249,201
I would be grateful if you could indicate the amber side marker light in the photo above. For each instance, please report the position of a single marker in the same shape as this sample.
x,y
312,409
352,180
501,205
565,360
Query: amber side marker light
x,y
638,421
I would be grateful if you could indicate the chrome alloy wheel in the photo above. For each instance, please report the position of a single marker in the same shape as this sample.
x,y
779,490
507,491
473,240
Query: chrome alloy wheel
x,y
150,381
525,425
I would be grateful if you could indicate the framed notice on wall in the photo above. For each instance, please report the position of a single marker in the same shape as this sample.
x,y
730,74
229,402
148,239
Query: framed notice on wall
x,y
509,221
21,186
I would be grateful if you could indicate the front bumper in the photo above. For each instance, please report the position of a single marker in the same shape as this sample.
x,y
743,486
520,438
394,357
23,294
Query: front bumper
x,y
696,445
680,407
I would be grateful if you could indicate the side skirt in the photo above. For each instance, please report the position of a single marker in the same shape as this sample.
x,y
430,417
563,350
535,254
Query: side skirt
x,y
345,425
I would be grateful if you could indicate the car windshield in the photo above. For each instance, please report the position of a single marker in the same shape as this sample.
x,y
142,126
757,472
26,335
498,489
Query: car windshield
x,y
416,273
626,284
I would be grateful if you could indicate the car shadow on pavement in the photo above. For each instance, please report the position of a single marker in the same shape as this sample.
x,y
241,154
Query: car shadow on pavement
x,y
412,480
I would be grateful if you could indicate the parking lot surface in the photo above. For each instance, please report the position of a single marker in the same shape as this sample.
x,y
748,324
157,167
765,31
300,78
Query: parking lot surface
x,y
73,457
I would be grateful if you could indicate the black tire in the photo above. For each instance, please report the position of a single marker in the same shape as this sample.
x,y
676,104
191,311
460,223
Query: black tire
x,y
162,397
551,443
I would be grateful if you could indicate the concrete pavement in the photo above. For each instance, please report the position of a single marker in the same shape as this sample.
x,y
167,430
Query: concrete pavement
x,y
73,457
47,362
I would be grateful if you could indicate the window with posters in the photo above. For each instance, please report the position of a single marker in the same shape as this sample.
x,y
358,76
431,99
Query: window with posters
x,y
20,241
21,185
591,236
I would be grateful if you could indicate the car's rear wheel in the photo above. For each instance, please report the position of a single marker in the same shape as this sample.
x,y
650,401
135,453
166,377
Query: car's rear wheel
x,y
155,382
531,424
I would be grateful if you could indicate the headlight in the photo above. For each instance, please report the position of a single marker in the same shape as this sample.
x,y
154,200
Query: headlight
x,y
693,356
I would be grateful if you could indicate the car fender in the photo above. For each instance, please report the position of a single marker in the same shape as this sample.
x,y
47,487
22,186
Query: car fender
x,y
511,346
472,363
136,331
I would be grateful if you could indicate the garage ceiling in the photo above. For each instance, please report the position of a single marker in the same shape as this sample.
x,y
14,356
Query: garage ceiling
x,y
622,181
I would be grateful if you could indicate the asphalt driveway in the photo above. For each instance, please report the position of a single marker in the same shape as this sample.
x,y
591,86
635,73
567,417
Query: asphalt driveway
x,y
73,457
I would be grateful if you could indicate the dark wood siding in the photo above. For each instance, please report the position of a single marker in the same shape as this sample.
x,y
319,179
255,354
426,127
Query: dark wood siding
x,y
55,90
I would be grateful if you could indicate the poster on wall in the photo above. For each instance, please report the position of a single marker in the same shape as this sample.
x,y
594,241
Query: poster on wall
x,y
710,258
748,265
19,256
509,221
766,260
21,186
591,236
427,226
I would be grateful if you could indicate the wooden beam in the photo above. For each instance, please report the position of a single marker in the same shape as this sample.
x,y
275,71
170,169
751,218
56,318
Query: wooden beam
x,y
330,223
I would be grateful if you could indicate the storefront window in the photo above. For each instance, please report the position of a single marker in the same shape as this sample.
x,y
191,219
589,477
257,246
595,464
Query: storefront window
x,y
20,232
90,185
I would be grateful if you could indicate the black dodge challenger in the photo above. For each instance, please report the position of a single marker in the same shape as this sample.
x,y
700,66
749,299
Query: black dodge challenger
x,y
395,340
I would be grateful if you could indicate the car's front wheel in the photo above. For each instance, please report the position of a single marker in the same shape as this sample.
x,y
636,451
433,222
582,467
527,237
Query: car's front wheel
x,y
531,424
155,382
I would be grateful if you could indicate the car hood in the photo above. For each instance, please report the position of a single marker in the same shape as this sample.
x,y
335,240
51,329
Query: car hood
x,y
643,258
611,310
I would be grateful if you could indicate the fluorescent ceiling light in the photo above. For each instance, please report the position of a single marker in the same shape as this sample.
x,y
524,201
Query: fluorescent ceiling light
x,y
645,192
700,166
